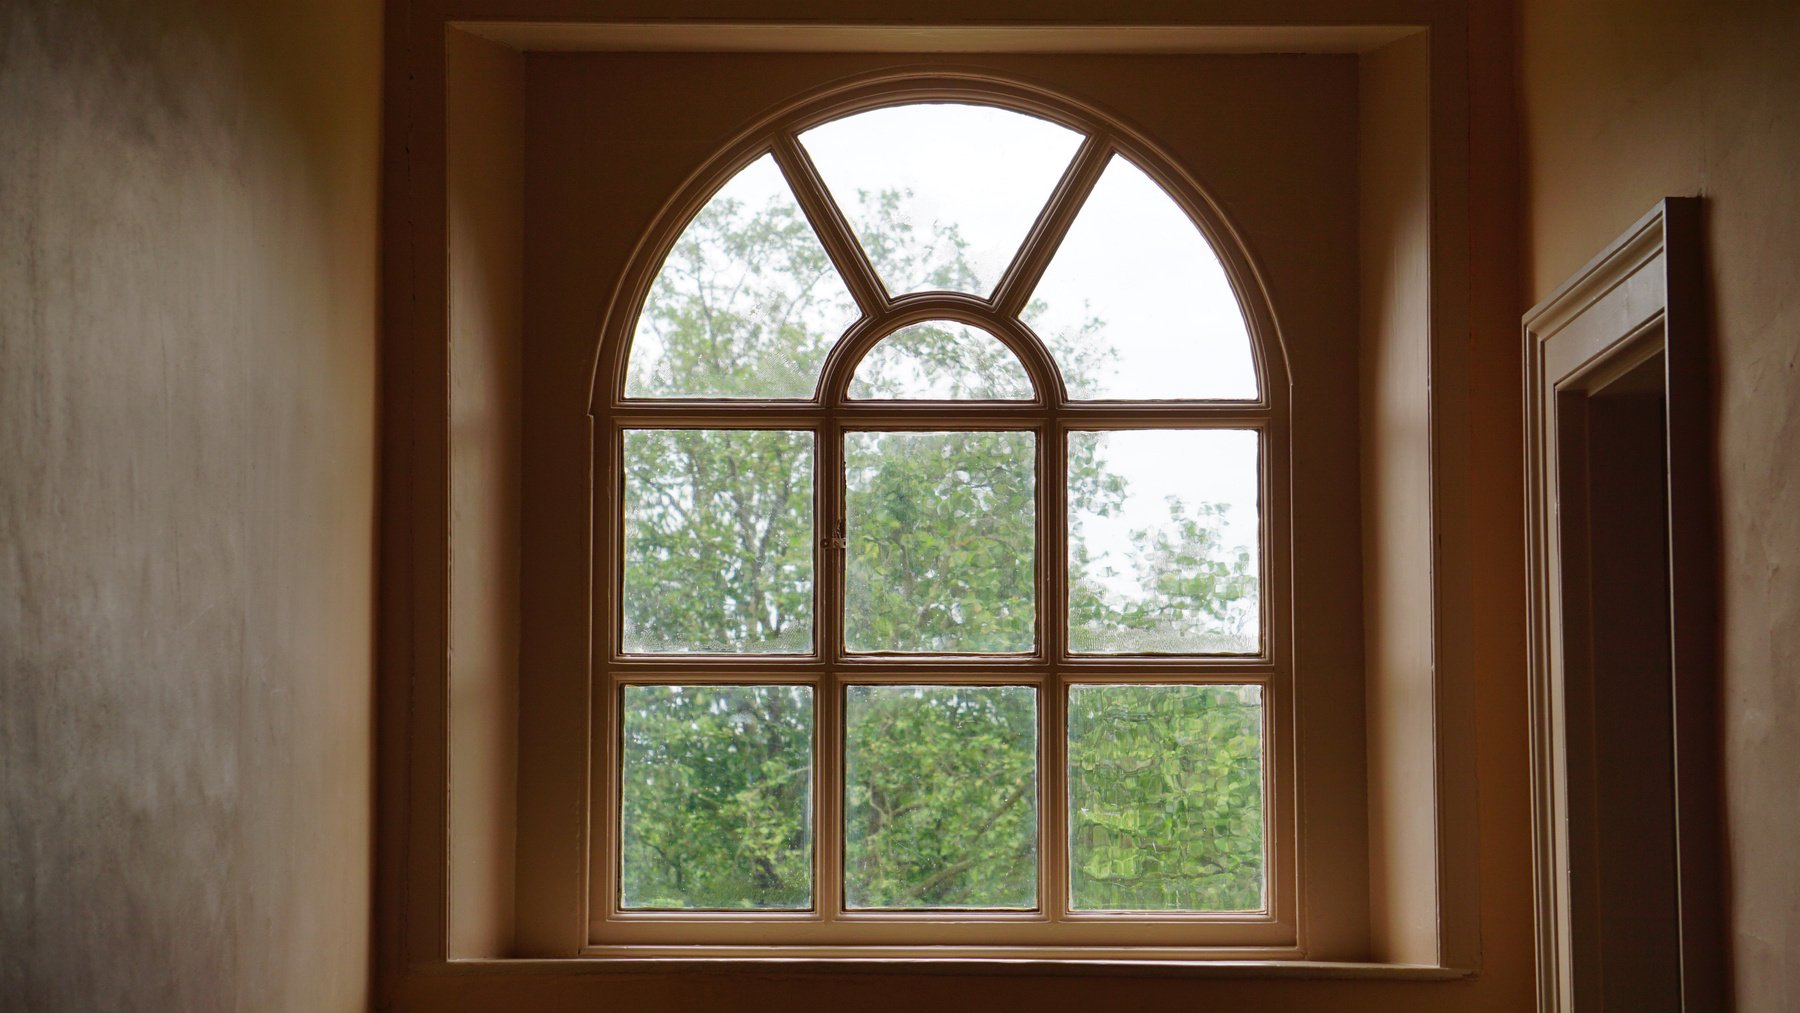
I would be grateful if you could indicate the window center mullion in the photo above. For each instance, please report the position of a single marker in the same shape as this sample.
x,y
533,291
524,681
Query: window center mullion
x,y
828,835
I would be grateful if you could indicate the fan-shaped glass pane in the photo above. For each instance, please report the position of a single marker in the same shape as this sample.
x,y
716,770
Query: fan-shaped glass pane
x,y
941,194
940,360
746,304
1135,304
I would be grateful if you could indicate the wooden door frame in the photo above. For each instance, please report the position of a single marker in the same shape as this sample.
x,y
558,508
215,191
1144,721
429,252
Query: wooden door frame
x,y
1641,296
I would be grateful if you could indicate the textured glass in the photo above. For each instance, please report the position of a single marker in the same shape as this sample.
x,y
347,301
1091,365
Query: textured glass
x,y
718,541
1165,798
1135,303
941,529
941,194
940,360
716,797
746,304
1164,542
940,797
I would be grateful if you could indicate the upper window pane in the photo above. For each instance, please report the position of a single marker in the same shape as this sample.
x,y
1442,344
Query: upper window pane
x,y
718,541
941,532
1135,304
941,194
746,304
940,360
1163,542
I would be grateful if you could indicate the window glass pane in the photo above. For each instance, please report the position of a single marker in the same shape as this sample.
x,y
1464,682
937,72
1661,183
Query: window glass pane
x,y
941,532
716,797
1165,798
718,541
1135,303
941,360
1164,542
941,194
746,304
940,797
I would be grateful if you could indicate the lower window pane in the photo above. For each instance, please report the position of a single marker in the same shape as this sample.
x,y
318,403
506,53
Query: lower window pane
x,y
1165,798
940,797
716,797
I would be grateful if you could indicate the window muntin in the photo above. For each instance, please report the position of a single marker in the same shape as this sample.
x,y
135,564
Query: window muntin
x,y
1050,665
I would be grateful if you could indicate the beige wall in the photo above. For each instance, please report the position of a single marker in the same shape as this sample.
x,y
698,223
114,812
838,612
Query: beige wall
x,y
1623,103
1626,103
484,189
187,413
1394,252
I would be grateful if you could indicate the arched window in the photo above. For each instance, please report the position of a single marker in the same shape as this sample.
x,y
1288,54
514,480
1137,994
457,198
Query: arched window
x,y
938,531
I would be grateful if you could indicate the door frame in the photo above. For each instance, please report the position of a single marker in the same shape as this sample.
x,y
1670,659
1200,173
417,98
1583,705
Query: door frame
x,y
1641,296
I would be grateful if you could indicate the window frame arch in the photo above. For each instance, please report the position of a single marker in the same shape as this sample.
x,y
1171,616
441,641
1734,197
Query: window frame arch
x,y
1051,414
776,133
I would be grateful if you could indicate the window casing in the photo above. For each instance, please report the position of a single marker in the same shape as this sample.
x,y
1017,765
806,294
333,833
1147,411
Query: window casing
x,y
1050,667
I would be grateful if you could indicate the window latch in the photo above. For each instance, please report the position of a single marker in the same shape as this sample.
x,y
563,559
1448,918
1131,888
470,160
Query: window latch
x,y
836,540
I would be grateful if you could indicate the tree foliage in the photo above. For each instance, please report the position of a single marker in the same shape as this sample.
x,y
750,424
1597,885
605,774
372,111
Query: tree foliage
x,y
940,796
940,785
1165,798
717,790
941,527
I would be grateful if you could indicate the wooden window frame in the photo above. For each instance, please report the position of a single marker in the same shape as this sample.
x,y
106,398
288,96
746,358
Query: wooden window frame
x,y
1050,931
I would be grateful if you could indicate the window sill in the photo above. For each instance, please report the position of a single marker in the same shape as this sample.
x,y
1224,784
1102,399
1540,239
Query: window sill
x,y
1148,963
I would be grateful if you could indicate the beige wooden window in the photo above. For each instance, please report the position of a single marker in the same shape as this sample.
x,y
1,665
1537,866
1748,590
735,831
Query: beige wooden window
x,y
941,526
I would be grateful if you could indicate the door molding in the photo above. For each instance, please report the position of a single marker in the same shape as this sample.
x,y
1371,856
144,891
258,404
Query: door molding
x,y
1641,296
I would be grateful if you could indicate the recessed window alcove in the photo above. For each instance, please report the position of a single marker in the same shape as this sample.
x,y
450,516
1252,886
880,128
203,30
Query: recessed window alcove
x,y
1277,287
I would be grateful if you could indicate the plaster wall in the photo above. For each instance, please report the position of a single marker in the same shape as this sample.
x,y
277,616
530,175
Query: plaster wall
x,y
484,190
187,473
1623,103
1394,170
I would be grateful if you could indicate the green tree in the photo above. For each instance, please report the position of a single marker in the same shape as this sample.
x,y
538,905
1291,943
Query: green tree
x,y
1165,798
940,796
717,781
940,787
